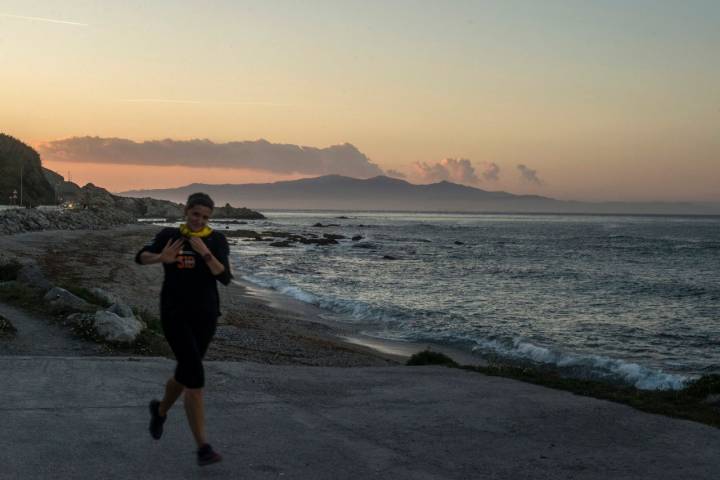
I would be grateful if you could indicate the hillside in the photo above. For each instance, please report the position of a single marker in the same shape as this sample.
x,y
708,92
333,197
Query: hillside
x,y
18,159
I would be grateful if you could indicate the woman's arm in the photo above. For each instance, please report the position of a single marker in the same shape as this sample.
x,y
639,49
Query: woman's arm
x,y
219,265
216,267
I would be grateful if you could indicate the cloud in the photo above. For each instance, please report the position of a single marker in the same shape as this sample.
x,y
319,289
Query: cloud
x,y
395,173
42,19
491,171
204,102
529,175
256,155
449,169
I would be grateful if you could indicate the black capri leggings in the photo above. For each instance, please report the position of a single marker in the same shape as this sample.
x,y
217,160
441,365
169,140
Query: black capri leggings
x,y
189,337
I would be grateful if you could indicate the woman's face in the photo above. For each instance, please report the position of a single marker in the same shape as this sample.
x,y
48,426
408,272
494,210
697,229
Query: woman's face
x,y
197,217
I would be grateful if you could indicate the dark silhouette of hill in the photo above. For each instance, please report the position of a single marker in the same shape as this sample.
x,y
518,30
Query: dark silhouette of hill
x,y
42,186
17,157
336,192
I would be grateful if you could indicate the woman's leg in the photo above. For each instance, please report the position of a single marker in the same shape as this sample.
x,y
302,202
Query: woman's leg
x,y
203,332
194,409
173,390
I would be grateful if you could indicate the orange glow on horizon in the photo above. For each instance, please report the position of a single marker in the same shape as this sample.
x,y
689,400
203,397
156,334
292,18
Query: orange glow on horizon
x,y
119,178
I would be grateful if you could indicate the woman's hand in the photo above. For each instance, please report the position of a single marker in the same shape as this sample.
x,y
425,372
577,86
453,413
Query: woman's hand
x,y
170,252
199,246
216,268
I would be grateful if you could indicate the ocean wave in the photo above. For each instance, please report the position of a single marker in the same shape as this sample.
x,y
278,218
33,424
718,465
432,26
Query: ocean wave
x,y
283,287
355,310
394,324
632,373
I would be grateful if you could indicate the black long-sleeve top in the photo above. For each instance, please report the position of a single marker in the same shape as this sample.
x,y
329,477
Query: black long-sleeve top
x,y
189,285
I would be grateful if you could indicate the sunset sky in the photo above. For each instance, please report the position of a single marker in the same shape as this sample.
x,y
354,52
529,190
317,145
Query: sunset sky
x,y
587,100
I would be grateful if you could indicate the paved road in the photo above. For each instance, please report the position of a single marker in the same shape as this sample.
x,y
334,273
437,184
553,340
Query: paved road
x,y
86,417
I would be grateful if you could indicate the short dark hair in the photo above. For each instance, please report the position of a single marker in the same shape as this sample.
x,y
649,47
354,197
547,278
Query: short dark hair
x,y
200,198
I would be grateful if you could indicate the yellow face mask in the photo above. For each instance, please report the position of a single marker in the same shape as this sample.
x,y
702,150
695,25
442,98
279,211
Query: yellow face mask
x,y
186,232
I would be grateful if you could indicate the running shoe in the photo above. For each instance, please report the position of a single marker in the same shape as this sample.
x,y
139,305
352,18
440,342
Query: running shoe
x,y
156,420
206,455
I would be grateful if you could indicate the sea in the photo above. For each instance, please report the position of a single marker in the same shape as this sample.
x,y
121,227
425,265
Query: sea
x,y
632,299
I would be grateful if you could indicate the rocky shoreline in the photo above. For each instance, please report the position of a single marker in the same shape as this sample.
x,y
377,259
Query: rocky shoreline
x,y
20,220
35,265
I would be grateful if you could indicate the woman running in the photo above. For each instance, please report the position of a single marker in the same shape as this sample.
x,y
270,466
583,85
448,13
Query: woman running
x,y
194,258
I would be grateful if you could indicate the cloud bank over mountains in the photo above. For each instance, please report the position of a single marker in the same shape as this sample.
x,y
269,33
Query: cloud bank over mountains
x,y
529,175
455,170
273,158
257,155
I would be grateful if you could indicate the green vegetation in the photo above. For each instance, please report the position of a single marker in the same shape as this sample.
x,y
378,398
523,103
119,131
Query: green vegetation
x,y
690,403
151,320
429,357
87,295
22,296
9,271
6,327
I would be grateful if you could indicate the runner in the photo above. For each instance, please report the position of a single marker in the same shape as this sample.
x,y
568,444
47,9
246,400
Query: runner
x,y
194,258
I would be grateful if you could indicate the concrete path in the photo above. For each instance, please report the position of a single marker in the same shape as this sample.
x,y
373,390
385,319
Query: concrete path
x,y
86,418
39,336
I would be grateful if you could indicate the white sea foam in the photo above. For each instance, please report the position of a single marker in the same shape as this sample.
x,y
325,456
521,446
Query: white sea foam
x,y
284,288
352,310
602,366
641,377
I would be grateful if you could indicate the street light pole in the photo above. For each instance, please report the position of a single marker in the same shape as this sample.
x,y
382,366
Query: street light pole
x,y
21,184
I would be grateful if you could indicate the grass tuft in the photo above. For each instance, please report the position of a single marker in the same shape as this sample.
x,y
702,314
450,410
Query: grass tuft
x,y
429,357
9,271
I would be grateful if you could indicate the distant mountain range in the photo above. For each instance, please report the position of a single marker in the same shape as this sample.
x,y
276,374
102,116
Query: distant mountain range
x,y
336,192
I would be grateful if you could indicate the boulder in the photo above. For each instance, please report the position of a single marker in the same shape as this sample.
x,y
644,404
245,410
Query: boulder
x,y
31,275
121,309
318,241
276,234
284,243
61,298
115,328
78,318
228,211
367,245
334,236
241,234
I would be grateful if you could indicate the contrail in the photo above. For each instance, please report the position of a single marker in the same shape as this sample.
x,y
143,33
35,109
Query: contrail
x,y
200,102
40,19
